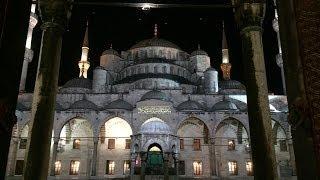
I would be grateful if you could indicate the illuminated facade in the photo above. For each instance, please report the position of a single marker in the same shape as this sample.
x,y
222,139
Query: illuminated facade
x,y
152,111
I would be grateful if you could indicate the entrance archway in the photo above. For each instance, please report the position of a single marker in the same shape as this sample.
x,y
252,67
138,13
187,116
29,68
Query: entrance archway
x,y
155,163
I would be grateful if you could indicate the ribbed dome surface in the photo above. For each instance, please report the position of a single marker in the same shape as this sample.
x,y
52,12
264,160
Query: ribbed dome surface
x,y
199,52
231,84
225,105
79,83
190,105
155,42
110,52
22,107
155,94
119,104
155,126
84,104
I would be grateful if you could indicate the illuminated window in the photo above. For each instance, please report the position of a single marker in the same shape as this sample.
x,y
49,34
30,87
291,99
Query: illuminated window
x,y
126,167
231,145
57,168
181,144
197,168
249,168
74,167
128,143
110,167
19,167
233,167
283,145
23,143
182,168
76,144
196,145
111,143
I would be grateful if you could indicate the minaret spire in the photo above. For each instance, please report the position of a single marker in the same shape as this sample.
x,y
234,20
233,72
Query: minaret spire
x,y
84,63
225,66
156,30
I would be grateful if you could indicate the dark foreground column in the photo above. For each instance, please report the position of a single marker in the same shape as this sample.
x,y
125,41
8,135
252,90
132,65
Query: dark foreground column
x,y
249,17
14,21
54,15
299,116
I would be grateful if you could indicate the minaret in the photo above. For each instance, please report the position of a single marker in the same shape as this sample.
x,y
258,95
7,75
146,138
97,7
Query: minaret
x,y
275,24
84,63
225,65
28,54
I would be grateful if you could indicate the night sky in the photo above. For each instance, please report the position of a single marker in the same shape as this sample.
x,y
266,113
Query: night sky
x,y
186,27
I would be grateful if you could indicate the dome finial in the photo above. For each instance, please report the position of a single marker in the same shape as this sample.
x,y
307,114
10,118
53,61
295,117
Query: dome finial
x,y
199,47
155,30
110,45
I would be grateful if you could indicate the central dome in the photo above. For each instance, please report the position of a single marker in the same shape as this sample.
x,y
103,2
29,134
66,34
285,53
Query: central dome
x,y
155,126
155,42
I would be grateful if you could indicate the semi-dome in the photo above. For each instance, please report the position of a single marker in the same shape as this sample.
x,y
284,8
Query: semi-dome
x,y
155,94
84,104
225,105
110,51
119,104
199,52
190,106
155,126
79,82
155,42
231,84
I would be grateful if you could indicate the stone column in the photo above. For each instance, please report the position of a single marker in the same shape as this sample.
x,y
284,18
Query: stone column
x,y
143,156
176,165
54,155
94,157
14,150
249,17
166,156
292,158
54,16
132,165
213,158
294,68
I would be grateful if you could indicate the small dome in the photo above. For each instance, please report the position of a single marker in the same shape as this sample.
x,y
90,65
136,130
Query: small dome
x,y
59,107
155,94
110,52
155,42
155,126
210,69
119,104
79,82
231,84
199,52
225,105
84,104
22,107
190,105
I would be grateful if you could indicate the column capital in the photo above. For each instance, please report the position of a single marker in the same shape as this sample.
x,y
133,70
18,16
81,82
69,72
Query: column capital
x,y
55,13
28,55
249,15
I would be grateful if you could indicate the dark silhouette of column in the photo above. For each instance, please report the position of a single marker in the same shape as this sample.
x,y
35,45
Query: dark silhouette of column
x,y
54,16
14,22
166,157
249,16
299,33
143,156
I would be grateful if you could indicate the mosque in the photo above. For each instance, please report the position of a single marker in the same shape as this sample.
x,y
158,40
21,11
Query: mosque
x,y
153,111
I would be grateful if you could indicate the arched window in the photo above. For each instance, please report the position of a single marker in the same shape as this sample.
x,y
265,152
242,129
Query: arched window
x,y
164,69
146,69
